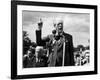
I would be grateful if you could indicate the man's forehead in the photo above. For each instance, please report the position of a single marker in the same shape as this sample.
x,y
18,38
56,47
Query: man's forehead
x,y
59,22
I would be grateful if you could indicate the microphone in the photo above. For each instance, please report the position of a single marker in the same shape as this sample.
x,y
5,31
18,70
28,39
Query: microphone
x,y
53,32
57,37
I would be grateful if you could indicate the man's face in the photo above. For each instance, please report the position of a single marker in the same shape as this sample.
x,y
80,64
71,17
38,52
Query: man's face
x,y
30,54
37,52
59,28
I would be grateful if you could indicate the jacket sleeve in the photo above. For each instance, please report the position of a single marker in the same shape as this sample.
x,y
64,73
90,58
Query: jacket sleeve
x,y
41,41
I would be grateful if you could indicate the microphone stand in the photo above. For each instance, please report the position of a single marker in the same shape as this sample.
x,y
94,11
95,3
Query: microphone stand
x,y
63,52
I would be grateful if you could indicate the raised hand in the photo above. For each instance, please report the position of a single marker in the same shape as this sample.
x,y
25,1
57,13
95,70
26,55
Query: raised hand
x,y
40,24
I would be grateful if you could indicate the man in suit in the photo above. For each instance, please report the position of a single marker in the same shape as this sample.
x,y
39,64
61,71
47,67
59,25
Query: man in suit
x,y
40,57
60,45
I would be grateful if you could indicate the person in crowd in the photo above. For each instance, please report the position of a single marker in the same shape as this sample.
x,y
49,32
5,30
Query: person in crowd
x,y
40,59
28,59
86,59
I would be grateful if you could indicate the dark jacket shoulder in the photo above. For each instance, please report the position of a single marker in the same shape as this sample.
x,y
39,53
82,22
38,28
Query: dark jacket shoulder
x,y
67,35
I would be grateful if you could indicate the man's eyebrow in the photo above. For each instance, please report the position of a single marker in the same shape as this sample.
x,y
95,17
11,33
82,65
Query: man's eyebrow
x,y
59,23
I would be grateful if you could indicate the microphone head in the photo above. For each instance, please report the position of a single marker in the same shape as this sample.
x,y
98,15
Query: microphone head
x,y
54,32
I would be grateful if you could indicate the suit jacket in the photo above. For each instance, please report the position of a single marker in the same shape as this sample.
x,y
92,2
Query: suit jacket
x,y
56,49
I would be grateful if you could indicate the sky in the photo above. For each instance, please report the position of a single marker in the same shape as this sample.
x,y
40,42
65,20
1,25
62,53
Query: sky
x,y
76,24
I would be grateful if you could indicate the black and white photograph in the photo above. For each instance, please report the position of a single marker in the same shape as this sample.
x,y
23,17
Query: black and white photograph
x,y
53,40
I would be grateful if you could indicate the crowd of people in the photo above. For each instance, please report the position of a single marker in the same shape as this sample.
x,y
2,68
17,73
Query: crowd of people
x,y
35,59
38,57
82,58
